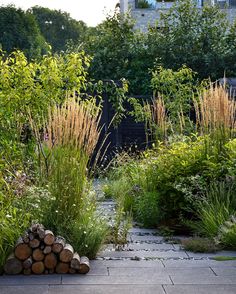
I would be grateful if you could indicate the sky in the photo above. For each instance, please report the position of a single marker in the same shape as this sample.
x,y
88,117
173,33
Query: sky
x,y
91,12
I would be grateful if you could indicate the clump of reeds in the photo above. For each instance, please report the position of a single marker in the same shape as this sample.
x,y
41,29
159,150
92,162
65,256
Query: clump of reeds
x,y
215,110
75,123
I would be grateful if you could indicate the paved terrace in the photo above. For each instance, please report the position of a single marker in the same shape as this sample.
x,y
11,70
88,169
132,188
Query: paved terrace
x,y
147,265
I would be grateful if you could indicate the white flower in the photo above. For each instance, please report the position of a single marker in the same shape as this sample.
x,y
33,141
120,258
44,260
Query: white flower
x,y
8,216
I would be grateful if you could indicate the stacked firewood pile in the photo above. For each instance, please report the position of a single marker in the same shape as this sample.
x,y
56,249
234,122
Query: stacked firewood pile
x,y
38,251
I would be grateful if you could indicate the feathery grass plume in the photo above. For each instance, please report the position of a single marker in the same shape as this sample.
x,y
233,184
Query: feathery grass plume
x,y
158,119
75,124
215,111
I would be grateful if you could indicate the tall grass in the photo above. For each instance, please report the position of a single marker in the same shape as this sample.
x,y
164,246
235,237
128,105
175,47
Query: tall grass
x,y
70,136
157,120
215,208
215,110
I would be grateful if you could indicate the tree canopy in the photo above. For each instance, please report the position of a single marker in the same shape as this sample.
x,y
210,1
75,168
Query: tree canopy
x,y
58,27
19,30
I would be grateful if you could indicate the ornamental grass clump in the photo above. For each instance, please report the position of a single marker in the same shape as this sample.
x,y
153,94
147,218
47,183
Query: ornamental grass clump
x,y
70,136
215,111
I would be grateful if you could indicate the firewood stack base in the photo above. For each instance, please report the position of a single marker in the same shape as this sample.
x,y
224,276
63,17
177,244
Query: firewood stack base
x,y
38,252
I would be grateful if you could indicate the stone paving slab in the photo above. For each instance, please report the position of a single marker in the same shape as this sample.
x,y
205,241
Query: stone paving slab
x,y
127,263
144,254
105,289
30,280
191,263
201,279
200,289
116,280
26,289
206,255
116,271
142,231
221,271
146,246
135,237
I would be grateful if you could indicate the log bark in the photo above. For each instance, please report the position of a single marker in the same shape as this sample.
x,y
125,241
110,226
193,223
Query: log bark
x,y
27,263
38,267
50,261
49,237
26,238
38,255
13,266
84,267
58,244
75,262
22,250
62,268
27,271
41,233
47,250
72,271
31,236
67,253
34,243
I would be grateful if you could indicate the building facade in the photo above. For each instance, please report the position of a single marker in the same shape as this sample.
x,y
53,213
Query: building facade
x,y
147,15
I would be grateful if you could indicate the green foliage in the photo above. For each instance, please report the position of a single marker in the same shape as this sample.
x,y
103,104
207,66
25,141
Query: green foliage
x,y
170,185
13,221
227,232
197,38
215,208
147,208
58,28
199,245
88,232
29,88
177,89
19,30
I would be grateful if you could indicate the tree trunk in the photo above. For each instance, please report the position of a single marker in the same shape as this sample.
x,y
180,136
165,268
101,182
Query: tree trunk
x,y
62,268
67,253
13,266
38,267
58,244
49,237
50,261
84,267
75,262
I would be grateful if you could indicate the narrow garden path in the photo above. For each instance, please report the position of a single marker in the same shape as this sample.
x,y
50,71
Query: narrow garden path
x,y
147,264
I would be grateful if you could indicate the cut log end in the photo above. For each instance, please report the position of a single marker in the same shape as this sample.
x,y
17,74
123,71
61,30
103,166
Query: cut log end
x,y
38,267
84,267
67,253
13,266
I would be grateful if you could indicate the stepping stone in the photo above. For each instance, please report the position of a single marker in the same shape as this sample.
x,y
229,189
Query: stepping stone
x,y
200,289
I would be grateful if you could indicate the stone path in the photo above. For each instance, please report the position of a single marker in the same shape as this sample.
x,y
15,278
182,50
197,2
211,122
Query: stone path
x,y
147,264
